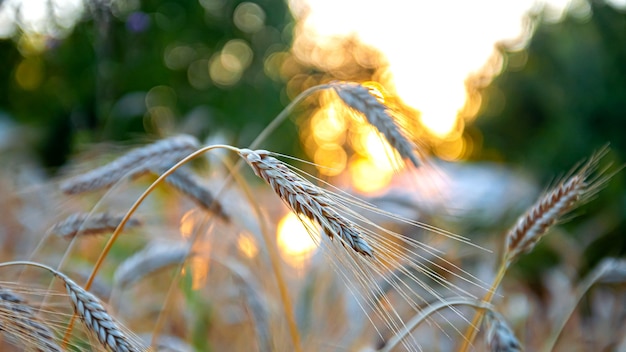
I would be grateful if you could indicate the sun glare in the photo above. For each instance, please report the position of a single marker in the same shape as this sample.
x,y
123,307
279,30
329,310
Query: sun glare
x,y
430,47
295,241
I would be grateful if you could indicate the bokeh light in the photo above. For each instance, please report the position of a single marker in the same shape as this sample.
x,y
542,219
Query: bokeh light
x,y
247,245
198,265
421,55
296,239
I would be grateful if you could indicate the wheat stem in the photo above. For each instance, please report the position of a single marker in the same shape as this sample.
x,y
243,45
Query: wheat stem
x,y
537,221
423,314
596,275
276,267
472,330
107,248
283,115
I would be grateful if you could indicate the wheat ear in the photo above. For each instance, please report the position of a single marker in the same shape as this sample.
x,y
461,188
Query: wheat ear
x,y
96,319
24,324
188,184
89,224
149,260
533,225
500,338
136,162
91,311
361,99
304,198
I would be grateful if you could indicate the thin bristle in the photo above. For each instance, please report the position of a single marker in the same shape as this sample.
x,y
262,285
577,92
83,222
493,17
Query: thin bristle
x,y
89,224
360,98
96,318
134,163
23,323
305,199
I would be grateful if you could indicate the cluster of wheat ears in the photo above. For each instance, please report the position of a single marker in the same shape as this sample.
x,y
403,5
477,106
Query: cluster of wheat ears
x,y
392,282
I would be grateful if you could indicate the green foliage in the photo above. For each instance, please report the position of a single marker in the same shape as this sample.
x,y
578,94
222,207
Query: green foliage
x,y
558,100
98,83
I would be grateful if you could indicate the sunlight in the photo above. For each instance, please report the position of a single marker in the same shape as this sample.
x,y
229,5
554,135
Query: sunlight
x,y
367,177
430,47
247,245
294,240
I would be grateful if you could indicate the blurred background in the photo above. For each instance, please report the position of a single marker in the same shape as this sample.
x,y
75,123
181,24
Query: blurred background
x,y
536,84
529,86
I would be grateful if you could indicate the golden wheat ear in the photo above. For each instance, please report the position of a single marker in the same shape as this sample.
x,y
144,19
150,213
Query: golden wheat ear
x,y
361,99
306,199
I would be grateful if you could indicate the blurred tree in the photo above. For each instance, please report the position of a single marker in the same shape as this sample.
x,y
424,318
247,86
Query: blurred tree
x,y
131,67
560,99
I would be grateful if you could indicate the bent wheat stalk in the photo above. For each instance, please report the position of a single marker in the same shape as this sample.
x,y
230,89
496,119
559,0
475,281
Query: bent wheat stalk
x,y
609,271
107,248
429,310
538,220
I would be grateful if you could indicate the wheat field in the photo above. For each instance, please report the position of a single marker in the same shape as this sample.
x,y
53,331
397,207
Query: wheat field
x,y
172,246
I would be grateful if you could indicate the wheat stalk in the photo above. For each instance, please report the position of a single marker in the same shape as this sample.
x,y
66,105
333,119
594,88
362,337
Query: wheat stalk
x,y
537,221
23,324
305,199
361,99
609,271
136,162
89,224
